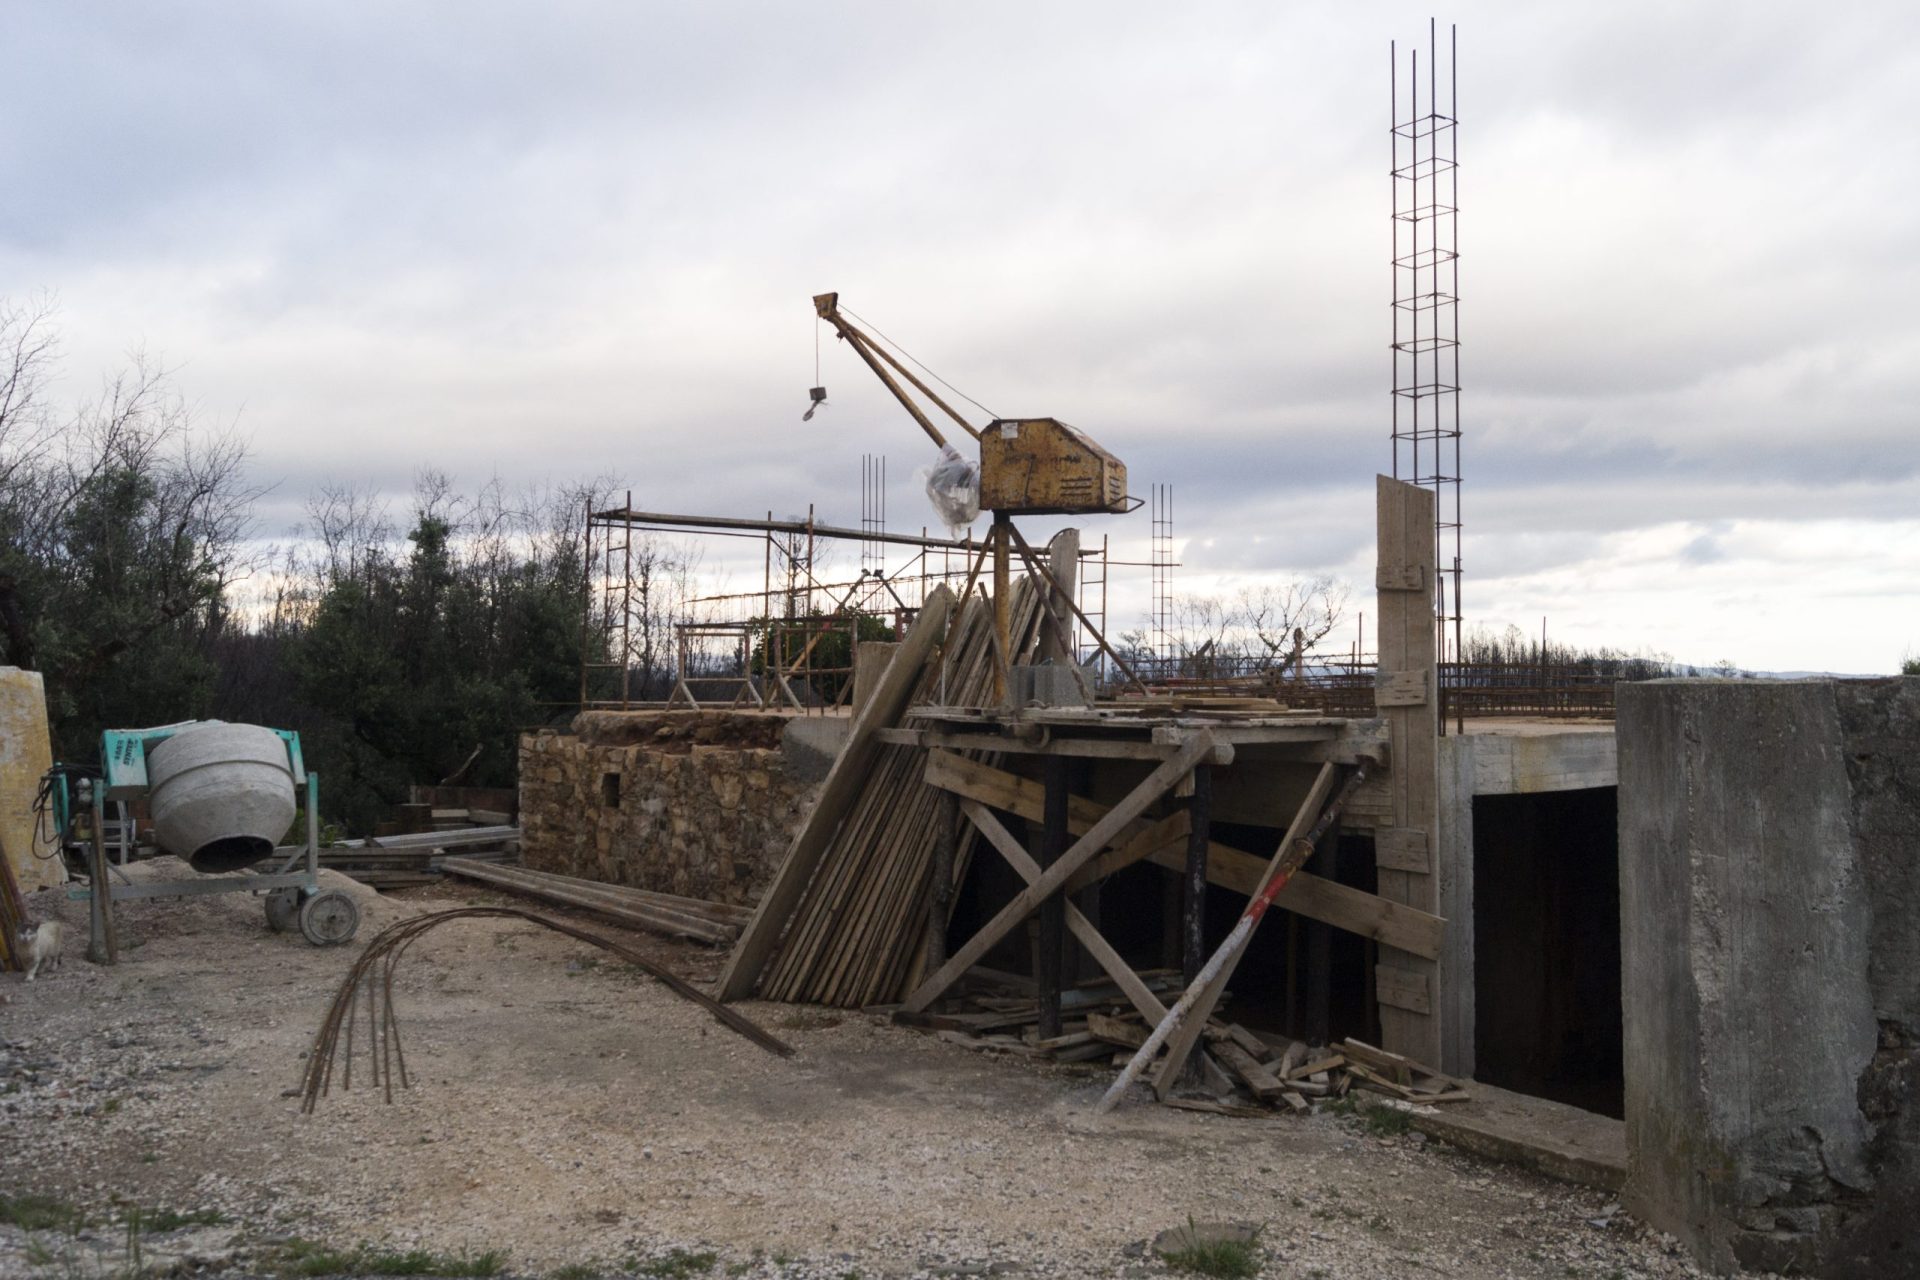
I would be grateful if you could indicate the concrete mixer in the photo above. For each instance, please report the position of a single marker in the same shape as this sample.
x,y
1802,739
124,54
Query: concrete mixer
x,y
220,797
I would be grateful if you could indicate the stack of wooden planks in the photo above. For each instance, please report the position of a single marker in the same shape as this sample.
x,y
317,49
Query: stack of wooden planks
x,y
663,913
401,861
858,933
1100,1026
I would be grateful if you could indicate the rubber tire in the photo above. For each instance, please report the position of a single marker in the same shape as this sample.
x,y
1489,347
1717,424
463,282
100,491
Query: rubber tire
x,y
329,919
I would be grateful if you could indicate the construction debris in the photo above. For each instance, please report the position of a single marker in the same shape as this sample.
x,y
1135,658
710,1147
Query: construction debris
x,y
1101,1027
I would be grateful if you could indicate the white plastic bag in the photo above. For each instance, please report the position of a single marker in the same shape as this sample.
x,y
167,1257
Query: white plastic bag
x,y
953,486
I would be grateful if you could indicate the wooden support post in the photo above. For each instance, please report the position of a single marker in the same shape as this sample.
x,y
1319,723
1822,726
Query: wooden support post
x,y
1172,891
1002,606
946,841
1193,902
1407,985
1053,918
1056,635
1319,965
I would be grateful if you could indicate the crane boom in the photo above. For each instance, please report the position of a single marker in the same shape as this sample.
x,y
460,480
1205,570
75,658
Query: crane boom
x,y
827,307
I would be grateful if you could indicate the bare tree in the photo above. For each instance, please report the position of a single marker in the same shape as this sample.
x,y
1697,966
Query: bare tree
x,y
1287,621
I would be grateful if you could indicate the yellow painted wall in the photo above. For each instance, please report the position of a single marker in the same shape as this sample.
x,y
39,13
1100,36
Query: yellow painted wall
x,y
25,754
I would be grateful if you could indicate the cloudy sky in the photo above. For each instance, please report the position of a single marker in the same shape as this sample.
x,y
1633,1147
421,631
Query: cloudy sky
x,y
547,241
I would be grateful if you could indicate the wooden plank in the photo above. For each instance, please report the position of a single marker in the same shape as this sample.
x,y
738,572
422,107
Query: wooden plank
x,y
1406,635
1315,1067
842,787
1217,1108
1400,577
1402,989
1256,1075
1122,974
1253,1044
1402,849
1402,688
1354,910
1089,748
1120,1031
1083,851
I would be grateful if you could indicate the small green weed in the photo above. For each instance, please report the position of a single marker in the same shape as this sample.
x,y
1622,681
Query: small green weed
x,y
310,1258
1221,1259
155,1221
306,1258
1386,1122
575,1271
424,1262
41,1213
678,1264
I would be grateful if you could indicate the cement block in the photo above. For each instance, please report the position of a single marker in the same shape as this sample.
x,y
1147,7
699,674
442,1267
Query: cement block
x,y
1767,883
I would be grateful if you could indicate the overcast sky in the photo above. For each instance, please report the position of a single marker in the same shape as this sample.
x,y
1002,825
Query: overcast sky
x,y
545,241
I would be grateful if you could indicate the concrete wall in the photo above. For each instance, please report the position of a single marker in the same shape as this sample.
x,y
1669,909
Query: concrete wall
x,y
1770,884
700,803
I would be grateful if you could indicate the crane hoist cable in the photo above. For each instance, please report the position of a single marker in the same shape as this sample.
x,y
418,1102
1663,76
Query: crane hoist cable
x,y
875,331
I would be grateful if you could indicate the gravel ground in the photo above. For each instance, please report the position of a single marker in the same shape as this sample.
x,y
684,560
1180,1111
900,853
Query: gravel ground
x,y
575,1115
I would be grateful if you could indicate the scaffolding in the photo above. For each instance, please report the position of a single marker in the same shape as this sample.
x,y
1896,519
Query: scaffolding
x,y
1426,296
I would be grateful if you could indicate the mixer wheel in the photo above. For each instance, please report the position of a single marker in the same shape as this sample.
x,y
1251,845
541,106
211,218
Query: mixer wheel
x,y
329,919
283,909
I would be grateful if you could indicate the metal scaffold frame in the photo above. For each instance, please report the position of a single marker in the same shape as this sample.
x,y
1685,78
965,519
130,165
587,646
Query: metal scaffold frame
x,y
793,611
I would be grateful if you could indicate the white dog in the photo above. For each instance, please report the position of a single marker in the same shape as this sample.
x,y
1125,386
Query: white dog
x,y
43,947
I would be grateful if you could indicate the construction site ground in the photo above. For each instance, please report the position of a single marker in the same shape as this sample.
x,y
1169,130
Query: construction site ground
x,y
570,1117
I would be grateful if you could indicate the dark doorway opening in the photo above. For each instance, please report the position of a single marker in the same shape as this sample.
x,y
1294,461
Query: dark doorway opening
x,y
1546,942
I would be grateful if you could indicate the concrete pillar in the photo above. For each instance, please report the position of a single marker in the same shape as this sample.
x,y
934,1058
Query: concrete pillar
x,y
1770,880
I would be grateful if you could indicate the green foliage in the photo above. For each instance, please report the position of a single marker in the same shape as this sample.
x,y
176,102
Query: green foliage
x,y
1386,1122
678,1264
1222,1259
156,1221
41,1213
1910,664
826,667
307,1258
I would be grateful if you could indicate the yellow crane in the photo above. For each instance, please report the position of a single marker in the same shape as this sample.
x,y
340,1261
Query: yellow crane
x,y
1027,466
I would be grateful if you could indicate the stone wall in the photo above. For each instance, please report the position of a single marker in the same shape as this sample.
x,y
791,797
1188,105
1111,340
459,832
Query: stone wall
x,y
1770,884
698,803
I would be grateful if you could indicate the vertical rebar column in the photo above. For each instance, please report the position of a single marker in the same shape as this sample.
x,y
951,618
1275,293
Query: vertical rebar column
x,y
1162,514
1426,297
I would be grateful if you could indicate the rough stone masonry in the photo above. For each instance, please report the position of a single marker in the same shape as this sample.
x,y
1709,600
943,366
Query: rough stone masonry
x,y
698,803
1770,915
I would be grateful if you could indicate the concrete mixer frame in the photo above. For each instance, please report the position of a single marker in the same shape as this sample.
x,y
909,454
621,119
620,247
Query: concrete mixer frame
x,y
291,894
